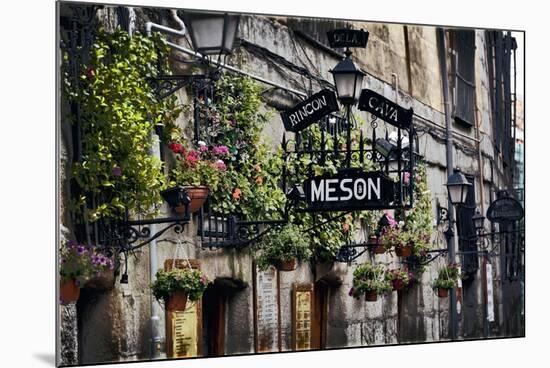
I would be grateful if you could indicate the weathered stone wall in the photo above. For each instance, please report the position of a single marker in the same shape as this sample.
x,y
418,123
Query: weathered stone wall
x,y
115,324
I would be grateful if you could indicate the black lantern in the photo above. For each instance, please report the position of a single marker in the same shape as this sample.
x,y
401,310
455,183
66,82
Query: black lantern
x,y
348,79
457,186
479,221
212,33
383,147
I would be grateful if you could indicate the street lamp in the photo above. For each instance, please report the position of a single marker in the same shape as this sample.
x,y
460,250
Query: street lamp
x,y
479,221
212,33
457,187
348,79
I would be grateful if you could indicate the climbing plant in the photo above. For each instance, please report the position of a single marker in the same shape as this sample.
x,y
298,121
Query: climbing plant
x,y
119,112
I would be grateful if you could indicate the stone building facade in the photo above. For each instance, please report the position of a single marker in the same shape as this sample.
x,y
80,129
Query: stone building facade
x,y
403,63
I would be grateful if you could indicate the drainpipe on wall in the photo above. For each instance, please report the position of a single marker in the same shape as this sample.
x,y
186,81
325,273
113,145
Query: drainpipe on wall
x,y
156,338
442,48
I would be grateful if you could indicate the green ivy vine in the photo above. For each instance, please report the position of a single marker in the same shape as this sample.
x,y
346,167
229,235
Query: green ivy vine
x,y
119,112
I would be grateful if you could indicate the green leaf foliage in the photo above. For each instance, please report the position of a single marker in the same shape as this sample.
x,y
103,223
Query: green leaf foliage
x,y
118,114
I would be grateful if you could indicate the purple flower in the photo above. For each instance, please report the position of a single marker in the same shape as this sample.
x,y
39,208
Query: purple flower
x,y
203,148
81,249
71,243
221,150
116,171
77,282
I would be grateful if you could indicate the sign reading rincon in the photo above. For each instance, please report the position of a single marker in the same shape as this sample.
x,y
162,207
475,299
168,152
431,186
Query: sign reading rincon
x,y
309,111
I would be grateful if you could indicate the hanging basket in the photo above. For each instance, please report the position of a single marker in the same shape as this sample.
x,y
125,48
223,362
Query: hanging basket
x,y
104,281
177,301
69,291
403,250
198,196
371,296
379,249
442,293
289,265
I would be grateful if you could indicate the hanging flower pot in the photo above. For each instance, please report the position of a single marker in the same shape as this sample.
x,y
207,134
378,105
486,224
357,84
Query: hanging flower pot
x,y
198,196
442,293
177,301
371,296
403,250
287,265
69,291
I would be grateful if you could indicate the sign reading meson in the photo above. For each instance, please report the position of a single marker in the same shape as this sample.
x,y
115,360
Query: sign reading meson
x,y
351,189
309,111
385,109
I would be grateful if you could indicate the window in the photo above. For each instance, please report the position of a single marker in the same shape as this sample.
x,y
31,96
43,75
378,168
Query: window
x,y
464,46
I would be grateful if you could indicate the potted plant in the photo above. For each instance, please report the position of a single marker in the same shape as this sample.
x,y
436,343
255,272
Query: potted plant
x,y
102,271
375,245
399,278
80,264
284,249
369,279
176,286
393,237
447,279
199,171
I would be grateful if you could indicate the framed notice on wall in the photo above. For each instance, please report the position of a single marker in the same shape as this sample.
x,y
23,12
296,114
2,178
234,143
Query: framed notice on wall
x,y
267,327
184,328
302,311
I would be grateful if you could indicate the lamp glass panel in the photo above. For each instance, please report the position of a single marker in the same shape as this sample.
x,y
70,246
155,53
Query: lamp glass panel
x,y
345,84
455,192
232,23
208,34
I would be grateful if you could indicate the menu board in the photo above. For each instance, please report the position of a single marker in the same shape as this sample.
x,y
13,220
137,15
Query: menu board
x,y
267,311
183,328
302,316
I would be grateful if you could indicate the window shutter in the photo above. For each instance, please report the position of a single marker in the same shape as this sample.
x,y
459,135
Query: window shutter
x,y
465,77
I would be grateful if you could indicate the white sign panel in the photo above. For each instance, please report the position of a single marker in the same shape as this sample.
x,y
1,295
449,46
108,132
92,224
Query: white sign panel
x,y
490,296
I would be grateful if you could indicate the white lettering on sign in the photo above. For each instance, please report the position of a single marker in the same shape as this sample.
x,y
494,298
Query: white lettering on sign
x,y
345,37
358,189
308,109
383,109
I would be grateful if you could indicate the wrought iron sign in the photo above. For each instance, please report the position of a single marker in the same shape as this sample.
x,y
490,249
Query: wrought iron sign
x,y
349,190
348,38
506,209
385,109
310,111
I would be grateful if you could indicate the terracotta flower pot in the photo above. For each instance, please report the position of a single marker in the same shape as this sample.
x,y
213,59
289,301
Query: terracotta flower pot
x,y
403,250
288,265
177,301
104,281
371,296
69,291
442,293
397,284
198,195
379,249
